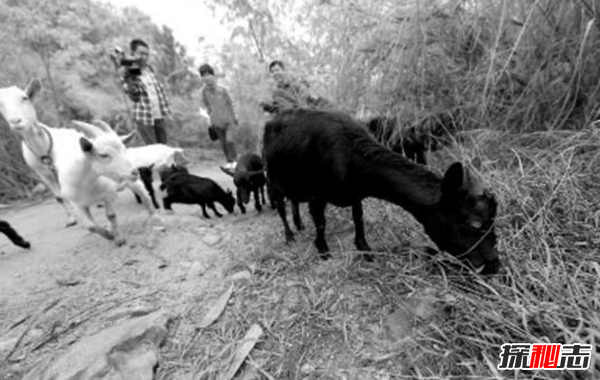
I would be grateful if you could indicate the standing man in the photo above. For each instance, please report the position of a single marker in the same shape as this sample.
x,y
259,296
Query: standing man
x,y
216,100
291,92
150,102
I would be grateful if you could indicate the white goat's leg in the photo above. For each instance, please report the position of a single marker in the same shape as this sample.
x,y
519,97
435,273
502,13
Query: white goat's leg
x,y
138,188
85,218
112,218
54,187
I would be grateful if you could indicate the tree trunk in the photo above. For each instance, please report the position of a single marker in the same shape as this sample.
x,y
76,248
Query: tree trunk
x,y
55,98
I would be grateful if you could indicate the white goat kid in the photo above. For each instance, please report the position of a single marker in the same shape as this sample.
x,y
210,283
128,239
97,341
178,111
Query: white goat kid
x,y
157,156
83,171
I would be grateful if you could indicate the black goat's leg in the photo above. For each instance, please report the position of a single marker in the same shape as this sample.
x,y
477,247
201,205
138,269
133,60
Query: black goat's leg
x,y
167,203
289,235
261,189
241,206
212,207
317,210
296,215
359,239
204,213
10,233
257,205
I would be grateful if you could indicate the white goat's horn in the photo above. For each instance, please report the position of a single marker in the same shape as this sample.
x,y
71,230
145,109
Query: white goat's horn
x,y
87,129
103,125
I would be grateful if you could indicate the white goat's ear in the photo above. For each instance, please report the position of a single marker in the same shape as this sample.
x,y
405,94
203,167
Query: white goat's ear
x,y
128,137
89,130
86,145
33,87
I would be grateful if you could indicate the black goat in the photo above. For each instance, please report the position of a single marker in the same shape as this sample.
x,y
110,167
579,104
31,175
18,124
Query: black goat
x,y
415,141
171,170
249,178
324,157
190,189
10,233
146,174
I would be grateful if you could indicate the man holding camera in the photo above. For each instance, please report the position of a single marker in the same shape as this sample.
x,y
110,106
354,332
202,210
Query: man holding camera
x,y
150,102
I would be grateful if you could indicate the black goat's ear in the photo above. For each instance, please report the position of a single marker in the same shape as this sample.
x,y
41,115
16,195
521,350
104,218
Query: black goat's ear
x,y
33,87
453,179
86,145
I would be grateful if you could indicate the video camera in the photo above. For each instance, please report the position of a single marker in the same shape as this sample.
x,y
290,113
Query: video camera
x,y
132,65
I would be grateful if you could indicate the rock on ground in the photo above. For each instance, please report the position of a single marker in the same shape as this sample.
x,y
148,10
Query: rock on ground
x,y
126,351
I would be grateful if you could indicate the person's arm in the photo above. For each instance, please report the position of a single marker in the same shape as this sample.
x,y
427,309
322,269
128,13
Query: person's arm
x,y
165,97
204,102
230,105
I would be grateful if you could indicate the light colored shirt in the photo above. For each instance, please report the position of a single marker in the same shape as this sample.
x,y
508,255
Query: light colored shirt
x,y
219,106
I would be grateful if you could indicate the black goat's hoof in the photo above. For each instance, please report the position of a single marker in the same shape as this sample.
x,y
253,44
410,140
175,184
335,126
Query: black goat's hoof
x,y
362,245
322,247
289,238
71,223
368,257
325,255
24,244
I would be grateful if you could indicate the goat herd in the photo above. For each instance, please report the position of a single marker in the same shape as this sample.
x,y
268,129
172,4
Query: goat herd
x,y
312,156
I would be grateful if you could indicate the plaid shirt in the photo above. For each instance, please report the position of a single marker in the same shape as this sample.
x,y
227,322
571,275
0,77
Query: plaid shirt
x,y
142,111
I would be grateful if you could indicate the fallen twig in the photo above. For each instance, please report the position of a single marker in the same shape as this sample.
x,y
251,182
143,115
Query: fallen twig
x,y
31,324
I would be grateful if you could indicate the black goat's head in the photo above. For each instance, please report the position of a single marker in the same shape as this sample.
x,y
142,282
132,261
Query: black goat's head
x,y
245,182
228,201
463,222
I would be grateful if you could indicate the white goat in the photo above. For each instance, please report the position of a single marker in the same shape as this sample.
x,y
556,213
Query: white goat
x,y
158,156
81,170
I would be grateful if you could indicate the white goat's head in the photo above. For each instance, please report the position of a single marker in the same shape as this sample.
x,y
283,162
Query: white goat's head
x,y
106,151
16,106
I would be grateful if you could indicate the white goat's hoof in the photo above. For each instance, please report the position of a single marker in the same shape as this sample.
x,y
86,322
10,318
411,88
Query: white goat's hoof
x,y
157,220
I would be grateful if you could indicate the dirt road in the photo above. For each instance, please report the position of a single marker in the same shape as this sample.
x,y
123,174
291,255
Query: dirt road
x,y
86,279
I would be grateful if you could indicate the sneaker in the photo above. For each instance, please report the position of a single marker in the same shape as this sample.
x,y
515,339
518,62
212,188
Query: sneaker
x,y
230,165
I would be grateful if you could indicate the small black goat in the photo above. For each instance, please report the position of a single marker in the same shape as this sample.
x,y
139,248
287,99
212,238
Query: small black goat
x,y
186,188
324,157
10,233
146,174
415,141
249,178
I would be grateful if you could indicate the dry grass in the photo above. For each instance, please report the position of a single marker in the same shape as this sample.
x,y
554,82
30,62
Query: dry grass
x,y
410,315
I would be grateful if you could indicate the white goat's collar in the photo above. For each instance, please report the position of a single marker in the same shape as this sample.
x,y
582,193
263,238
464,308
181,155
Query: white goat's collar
x,y
45,158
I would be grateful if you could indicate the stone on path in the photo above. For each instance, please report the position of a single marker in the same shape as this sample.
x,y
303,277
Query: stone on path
x,y
126,351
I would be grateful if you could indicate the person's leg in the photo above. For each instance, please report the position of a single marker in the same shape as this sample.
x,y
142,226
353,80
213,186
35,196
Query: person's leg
x,y
230,153
147,133
160,127
220,131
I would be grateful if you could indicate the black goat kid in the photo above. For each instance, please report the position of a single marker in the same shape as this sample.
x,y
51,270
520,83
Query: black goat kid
x,y
324,157
415,141
186,188
10,233
146,174
249,178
